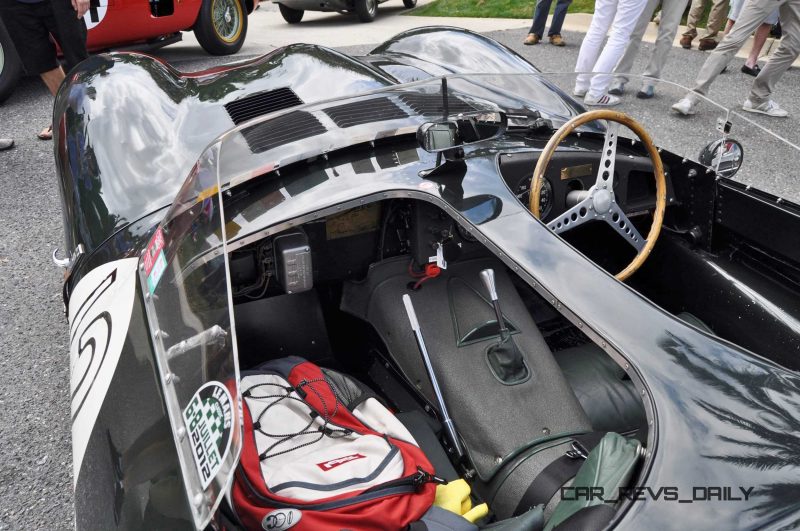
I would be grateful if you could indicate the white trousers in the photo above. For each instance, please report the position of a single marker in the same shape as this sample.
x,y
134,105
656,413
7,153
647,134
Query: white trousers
x,y
621,17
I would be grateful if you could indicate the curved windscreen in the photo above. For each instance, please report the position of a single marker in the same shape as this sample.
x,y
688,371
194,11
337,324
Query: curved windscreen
x,y
184,275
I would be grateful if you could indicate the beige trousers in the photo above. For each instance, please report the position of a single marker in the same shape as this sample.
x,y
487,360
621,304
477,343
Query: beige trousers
x,y
753,14
716,18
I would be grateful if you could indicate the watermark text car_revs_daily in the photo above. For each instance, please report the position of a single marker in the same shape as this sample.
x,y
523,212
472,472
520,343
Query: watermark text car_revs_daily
x,y
666,494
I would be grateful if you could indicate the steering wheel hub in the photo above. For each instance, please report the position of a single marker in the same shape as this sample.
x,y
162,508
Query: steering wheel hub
x,y
601,199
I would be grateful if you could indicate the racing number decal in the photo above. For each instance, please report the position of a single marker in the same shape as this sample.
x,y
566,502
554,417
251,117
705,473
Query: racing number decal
x,y
99,312
96,14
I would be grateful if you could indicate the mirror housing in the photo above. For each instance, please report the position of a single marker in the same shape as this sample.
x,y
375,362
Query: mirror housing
x,y
460,130
724,155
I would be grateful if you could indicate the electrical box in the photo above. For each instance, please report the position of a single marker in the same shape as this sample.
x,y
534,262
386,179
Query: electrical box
x,y
293,262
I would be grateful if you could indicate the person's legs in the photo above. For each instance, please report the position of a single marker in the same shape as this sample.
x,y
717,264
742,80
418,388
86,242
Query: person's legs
x,y
782,58
626,63
69,31
560,13
30,35
671,13
27,25
540,17
626,17
695,14
758,43
716,19
53,78
604,11
753,13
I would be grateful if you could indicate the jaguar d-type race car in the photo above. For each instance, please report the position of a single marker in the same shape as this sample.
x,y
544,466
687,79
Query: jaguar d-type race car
x,y
424,265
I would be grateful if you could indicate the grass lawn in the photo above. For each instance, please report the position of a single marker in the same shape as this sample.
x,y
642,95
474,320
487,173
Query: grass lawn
x,y
492,8
507,9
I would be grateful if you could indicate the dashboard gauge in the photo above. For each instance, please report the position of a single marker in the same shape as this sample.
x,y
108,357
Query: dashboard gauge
x,y
465,234
545,199
523,193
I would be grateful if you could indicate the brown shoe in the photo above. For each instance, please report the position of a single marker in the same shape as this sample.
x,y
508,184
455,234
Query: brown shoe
x,y
686,41
707,44
556,40
532,38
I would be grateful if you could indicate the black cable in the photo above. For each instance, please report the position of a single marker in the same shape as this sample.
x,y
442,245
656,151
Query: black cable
x,y
320,432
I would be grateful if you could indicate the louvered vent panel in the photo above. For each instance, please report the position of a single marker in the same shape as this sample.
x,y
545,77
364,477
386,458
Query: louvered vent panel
x,y
431,104
364,112
282,130
262,103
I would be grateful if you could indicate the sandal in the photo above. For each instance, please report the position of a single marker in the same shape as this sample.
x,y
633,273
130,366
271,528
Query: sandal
x,y
46,133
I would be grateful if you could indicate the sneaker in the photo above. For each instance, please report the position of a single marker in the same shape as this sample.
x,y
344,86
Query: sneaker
x,y
578,92
532,38
707,44
686,41
751,71
603,101
646,92
769,107
617,88
686,106
557,40
6,143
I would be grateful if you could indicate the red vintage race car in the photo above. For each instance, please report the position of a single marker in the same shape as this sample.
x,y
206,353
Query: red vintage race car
x,y
220,27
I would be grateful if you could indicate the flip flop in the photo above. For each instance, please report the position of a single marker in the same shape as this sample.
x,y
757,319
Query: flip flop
x,y
46,133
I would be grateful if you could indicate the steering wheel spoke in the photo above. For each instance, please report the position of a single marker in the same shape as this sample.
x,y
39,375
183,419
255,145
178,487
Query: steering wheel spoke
x,y
575,216
605,173
620,223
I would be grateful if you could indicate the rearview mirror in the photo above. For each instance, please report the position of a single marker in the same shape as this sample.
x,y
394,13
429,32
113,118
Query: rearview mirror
x,y
460,130
725,156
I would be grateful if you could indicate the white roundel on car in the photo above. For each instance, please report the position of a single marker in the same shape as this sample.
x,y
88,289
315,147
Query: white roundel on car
x,y
100,309
96,13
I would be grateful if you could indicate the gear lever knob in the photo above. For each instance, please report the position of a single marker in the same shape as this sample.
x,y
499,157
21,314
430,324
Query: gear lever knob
x,y
487,277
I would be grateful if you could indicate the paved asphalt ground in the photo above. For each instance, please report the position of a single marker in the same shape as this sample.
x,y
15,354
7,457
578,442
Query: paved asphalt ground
x,y
35,458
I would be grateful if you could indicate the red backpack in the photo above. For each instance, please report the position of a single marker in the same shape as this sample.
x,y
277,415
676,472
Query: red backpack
x,y
321,452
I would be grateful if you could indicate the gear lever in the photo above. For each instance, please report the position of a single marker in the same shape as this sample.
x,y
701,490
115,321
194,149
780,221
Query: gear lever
x,y
487,277
505,359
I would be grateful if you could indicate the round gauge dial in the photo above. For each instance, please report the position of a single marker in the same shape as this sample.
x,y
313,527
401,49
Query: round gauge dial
x,y
523,193
545,199
465,234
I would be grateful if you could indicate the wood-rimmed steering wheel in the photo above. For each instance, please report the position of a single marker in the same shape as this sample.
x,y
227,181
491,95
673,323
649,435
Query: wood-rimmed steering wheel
x,y
600,202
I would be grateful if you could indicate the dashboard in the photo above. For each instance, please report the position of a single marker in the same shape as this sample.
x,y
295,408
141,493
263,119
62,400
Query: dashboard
x,y
576,170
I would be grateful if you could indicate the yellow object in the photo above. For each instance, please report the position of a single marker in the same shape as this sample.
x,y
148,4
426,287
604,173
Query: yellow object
x,y
454,497
476,513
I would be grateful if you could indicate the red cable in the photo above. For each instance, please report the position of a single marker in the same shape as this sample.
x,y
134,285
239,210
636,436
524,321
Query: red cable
x,y
431,271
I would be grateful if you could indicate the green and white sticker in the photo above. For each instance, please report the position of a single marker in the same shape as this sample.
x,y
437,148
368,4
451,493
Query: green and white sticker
x,y
208,420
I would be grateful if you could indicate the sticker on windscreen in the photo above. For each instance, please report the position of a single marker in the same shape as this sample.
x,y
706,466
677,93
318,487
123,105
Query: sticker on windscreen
x,y
155,263
208,420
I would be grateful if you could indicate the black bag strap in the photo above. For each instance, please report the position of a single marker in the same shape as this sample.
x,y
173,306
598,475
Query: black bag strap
x,y
554,475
